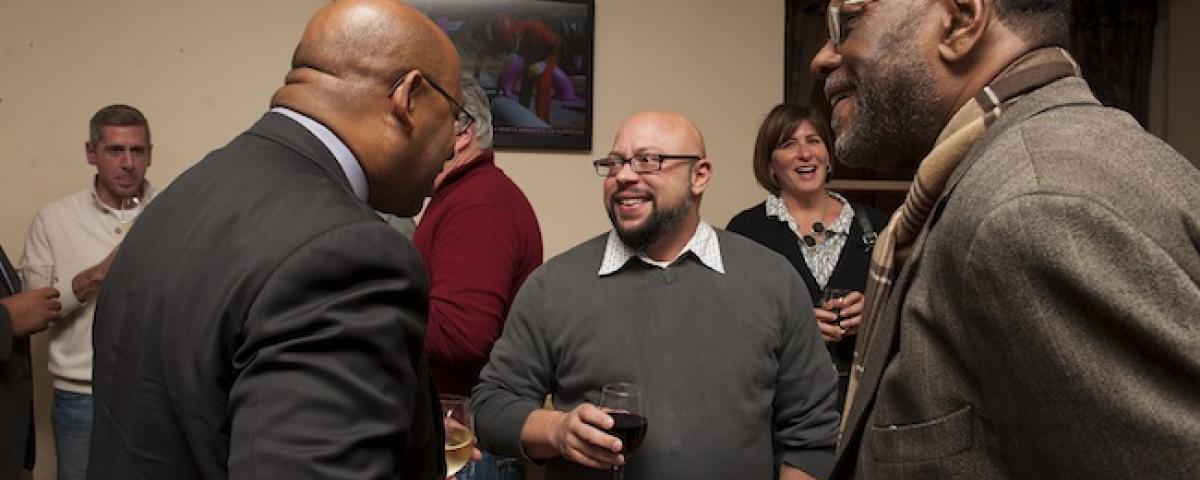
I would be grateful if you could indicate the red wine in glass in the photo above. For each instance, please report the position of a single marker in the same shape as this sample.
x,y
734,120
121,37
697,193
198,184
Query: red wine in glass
x,y
623,402
630,428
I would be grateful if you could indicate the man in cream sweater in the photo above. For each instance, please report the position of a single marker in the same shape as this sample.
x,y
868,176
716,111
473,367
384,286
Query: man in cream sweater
x,y
69,247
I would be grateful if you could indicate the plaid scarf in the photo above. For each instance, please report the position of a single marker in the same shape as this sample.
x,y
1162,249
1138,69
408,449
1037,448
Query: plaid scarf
x,y
895,244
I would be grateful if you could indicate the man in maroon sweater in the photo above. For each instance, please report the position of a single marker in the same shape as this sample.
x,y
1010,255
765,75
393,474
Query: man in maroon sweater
x,y
479,239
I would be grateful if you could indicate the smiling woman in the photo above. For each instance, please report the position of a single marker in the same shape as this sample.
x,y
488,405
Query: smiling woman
x,y
826,238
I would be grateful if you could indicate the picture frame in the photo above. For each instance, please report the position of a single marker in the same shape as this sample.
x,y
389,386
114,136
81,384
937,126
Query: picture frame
x,y
534,59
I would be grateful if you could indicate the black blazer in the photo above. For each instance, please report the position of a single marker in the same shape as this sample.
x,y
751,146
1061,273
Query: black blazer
x,y
260,321
852,267
16,387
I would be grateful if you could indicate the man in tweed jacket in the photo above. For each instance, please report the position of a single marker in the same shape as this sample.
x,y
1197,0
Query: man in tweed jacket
x,y
1046,321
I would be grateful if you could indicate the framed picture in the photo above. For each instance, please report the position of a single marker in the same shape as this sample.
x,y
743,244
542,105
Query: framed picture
x,y
534,60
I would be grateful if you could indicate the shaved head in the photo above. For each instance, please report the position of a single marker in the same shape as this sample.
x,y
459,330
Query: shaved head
x,y
667,131
351,53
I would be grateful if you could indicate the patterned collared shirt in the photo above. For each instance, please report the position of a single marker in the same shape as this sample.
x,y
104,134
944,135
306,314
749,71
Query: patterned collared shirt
x,y
822,257
703,244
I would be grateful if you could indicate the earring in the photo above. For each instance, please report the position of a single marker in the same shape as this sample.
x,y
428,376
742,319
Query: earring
x,y
829,170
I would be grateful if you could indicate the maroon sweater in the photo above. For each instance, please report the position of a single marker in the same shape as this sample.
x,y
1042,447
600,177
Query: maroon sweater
x,y
479,239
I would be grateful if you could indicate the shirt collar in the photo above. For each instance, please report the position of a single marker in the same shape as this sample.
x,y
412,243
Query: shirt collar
x,y
342,153
703,245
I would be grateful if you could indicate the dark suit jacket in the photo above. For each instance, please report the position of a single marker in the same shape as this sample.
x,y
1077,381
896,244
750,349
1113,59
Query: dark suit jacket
x,y
850,271
16,387
260,321
1047,325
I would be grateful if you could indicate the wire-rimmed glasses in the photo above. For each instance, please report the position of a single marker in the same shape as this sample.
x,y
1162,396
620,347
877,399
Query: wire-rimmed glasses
x,y
840,12
462,118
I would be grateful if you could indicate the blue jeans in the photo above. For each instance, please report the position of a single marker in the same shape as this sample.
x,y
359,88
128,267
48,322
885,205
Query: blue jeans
x,y
492,467
72,419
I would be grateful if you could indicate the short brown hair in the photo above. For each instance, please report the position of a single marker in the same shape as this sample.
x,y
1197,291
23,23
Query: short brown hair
x,y
781,122
116,116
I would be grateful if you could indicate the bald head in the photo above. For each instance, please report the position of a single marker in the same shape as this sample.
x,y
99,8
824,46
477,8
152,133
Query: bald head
x,y
354,46
351,54
666,132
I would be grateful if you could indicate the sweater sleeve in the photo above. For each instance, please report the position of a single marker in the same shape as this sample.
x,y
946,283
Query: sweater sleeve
x,y
471,264
518,376
39,251
806,419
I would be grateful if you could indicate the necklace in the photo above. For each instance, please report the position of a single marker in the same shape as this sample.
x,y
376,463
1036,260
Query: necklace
x,y
818,227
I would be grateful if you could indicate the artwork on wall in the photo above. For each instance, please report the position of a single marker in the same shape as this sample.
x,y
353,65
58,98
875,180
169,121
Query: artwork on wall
x,y
534,60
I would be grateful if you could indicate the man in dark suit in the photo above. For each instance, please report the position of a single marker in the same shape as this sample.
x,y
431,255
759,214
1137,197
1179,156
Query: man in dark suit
x,y
21,315
1040,314
261,320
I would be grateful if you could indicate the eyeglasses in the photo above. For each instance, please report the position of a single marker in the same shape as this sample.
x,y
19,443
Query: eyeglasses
x,y
840,13
640,163
462,119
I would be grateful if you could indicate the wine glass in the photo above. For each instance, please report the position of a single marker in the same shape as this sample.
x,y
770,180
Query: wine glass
x,y
838,295
38,276
623,402
130,208
460,432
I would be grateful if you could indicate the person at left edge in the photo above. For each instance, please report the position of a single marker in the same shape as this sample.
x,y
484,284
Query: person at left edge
x,y
262,321
22,313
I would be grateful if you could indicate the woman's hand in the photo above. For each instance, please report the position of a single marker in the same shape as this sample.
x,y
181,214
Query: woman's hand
x,y
836,326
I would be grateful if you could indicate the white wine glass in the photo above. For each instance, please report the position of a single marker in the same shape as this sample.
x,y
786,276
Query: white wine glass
x,y
38,276
131,207
623,402
460,432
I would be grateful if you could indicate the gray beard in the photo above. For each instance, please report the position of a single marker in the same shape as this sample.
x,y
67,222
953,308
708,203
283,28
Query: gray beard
x,y
893,125
659,224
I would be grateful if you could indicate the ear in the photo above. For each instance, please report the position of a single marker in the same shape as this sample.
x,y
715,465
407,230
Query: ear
x,y
964,27
701,175
403,100
90,151
461,142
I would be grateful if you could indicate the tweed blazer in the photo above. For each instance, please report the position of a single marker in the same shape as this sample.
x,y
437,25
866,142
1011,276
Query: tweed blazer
x,y
1048,323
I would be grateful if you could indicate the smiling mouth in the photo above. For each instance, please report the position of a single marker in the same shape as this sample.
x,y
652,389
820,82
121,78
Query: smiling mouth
x,y
630,202
806,169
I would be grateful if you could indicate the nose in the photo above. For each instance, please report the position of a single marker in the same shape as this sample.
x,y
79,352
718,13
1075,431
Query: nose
x,y
625,174
825,61
127,160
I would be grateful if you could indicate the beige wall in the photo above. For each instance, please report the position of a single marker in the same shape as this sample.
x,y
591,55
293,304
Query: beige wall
x,y
203,71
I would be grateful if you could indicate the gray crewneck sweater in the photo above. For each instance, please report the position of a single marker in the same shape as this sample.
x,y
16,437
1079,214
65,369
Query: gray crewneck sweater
x,y
734,373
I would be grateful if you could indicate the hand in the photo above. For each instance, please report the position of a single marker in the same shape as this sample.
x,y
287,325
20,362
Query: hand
x,y
32,311
836,326
579,437
87,283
